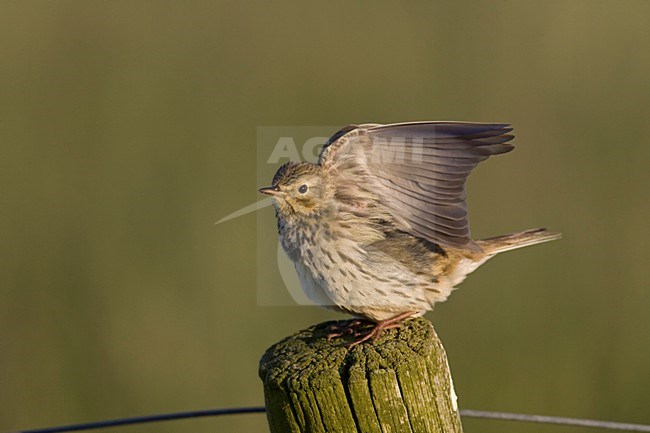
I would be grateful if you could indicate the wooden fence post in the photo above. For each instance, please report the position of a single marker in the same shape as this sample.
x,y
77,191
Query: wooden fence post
x,y
400,383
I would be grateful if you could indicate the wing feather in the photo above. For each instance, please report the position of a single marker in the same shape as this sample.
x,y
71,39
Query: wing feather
x,y
414,171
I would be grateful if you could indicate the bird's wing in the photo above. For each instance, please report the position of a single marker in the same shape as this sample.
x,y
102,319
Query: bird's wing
x,y
415,171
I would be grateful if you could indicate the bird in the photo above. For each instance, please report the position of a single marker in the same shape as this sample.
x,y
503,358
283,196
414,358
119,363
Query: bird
x,y
378,227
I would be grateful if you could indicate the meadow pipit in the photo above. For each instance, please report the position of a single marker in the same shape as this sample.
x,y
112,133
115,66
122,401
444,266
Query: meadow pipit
x,y
378,227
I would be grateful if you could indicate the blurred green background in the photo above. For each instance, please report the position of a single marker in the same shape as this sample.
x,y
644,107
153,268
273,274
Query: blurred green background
x,y
127,128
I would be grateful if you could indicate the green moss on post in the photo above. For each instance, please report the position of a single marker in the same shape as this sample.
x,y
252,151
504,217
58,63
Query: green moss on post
x,y
400,383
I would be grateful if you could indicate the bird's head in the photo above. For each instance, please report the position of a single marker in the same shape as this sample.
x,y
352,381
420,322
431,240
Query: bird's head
x,y
299,190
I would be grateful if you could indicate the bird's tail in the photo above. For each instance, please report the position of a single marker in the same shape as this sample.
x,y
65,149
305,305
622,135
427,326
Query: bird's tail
x,y
499,244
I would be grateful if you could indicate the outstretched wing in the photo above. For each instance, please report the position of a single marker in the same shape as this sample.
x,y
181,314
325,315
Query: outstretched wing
x,y
414,171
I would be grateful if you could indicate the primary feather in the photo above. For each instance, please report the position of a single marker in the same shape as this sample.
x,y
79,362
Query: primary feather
x,y
416,170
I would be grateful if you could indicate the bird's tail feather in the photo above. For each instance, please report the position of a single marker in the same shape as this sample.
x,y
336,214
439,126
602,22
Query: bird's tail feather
x,y
499,244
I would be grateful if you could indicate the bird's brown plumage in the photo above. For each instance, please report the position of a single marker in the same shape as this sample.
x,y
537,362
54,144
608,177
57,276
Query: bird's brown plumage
x,y
378,228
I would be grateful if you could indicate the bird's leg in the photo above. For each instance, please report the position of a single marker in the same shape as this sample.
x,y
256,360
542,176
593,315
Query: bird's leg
x,y
392,322
348,327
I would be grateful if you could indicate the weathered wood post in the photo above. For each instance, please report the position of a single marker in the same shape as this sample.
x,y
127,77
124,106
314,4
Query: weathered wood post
x,y
400,383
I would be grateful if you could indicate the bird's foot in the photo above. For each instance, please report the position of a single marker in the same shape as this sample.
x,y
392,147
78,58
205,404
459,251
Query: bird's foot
x,y
375,332
348,327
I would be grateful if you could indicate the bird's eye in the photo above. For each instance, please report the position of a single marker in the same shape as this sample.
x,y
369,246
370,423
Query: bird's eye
x,y
302,189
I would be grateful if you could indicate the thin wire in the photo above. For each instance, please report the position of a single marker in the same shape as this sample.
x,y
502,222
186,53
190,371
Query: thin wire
x,y
144,419
555,420
468,413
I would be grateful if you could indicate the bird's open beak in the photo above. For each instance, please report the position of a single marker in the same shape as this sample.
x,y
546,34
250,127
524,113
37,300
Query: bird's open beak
x,y
271,190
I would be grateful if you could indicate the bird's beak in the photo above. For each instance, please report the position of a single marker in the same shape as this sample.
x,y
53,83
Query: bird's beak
x,y
271,190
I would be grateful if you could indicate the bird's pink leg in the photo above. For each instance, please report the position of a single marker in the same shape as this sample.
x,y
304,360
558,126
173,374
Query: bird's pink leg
x,y
393,322
347,328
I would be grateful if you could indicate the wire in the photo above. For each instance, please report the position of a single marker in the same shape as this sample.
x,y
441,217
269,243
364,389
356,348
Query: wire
x,y
554,420
468,413
145,419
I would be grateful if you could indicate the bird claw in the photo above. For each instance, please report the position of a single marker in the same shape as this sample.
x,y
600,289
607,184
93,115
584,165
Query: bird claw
x,y
349,327
373,334
361,335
